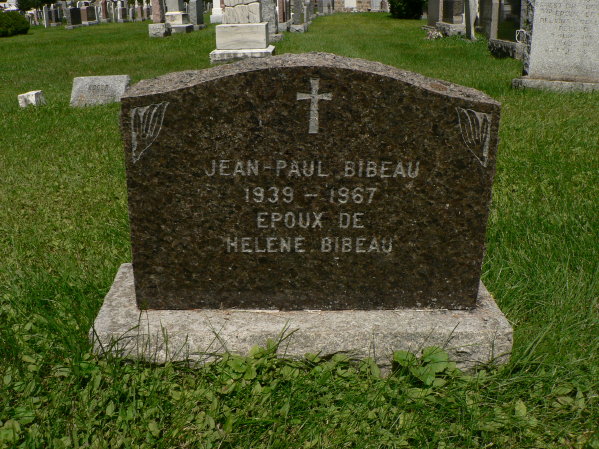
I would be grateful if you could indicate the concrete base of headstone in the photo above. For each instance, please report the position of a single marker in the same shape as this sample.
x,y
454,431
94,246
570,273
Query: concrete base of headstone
x,y
187,28
284,26
451,29
230,55
506,49
159,29
554,85
471,337
301,28
32,98
199,27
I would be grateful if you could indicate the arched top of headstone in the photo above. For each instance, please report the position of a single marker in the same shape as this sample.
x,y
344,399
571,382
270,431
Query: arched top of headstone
x,y
181,80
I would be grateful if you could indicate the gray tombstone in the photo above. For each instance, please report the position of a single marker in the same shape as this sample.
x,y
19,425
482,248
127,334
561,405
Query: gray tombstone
x,y
196,12
275,213
46,16
75,16
95,90
434,12
157,11
298,14
509,19
489,17
269,14
470,16
562,46
453,11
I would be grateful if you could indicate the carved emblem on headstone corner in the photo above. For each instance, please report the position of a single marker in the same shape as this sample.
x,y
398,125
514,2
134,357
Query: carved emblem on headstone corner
x,y
476,132
146,123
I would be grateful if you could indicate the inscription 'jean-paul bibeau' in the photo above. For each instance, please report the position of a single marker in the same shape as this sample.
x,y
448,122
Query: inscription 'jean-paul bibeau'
x,y
307,182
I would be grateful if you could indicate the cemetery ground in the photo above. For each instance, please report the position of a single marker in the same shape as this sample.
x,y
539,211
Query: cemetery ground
x,y
64,232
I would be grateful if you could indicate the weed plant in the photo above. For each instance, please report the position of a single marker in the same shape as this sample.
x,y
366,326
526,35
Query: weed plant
x,y
64,232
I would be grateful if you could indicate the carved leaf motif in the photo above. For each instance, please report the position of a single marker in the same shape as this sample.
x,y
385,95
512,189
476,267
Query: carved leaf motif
x,y
146,123
476,132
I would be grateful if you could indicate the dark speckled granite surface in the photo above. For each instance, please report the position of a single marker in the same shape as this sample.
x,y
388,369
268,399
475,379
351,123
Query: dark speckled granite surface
x,y
307,182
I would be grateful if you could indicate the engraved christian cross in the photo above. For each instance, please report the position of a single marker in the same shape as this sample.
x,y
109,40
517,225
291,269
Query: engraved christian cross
x,y
313,96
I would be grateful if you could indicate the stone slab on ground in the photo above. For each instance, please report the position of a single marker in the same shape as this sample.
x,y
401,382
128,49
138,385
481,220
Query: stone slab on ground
x,y
506,49
32,98
298,28
451,29
230,55
186,28
554,85
471,337
159,29
94,90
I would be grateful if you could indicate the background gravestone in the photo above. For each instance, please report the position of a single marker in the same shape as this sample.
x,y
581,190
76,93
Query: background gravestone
x,y
274,203
562,51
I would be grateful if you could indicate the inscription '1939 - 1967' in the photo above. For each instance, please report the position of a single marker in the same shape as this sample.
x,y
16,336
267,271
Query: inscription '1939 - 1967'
x,y
280,196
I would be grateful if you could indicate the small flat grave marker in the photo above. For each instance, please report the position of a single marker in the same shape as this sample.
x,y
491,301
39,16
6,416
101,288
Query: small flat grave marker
x,y
95,90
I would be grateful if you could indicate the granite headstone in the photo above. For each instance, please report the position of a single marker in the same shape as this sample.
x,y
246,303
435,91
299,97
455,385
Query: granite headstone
x,y
275,203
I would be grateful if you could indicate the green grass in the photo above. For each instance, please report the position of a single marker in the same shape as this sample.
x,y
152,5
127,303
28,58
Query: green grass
x,y
64,232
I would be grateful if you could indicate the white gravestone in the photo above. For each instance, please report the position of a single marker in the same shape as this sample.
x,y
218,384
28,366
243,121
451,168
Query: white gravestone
x,y
244,33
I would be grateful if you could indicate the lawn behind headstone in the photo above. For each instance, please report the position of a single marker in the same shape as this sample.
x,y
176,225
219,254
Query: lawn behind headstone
x,y
64,231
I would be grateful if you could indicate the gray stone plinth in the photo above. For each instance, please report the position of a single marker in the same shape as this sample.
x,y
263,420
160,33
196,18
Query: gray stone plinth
x,y
470,337
555,85
229,55
159,29
451,29
186,28
506,49
199,27
301,28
